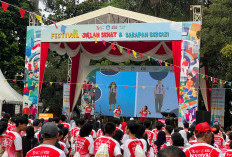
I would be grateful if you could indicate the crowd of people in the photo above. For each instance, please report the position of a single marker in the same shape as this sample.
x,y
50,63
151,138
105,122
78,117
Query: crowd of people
x,y
29,137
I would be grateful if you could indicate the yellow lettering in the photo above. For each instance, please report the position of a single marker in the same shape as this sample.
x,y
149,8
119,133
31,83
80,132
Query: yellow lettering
x,y
52,35
69,35
56,35
59,35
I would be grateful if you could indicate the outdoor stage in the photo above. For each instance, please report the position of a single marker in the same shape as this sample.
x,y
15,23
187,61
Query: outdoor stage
x,y
118,43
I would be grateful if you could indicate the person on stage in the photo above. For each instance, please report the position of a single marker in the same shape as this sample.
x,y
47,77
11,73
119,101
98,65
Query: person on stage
x,y
144,112
159,94
112,94
117,112
88,110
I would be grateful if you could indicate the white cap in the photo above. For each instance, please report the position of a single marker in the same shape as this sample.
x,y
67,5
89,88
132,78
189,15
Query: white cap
x,y
131,118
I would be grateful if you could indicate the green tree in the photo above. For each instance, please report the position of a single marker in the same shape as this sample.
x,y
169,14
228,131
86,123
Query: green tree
x,y
216,40
13,39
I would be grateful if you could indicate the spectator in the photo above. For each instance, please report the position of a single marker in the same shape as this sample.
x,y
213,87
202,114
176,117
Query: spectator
x,y
84,142
186,126
37,125
151,136
118,136
3,129
62,144
168,132
63,119
56,120
177,140
131,144
13,140
218,140
203,147
113,145
29,141
50,135
191,138
171,151
161,137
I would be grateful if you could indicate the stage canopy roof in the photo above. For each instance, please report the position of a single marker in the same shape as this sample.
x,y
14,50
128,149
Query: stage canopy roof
x,y
110,15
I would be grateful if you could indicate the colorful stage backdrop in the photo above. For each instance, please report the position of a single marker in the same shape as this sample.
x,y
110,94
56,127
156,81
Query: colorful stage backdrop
x,y
177,32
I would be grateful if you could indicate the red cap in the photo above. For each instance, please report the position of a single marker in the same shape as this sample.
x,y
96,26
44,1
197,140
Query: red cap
x,y
202,127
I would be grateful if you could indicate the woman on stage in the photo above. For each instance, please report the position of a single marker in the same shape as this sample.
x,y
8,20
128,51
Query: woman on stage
x,y
117,112
112,94
144,112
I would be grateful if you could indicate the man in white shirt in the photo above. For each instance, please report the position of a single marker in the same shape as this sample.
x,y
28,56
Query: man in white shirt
x,y
159,94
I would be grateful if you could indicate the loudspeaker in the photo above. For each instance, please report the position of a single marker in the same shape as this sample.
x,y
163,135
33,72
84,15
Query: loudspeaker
x,y
203,116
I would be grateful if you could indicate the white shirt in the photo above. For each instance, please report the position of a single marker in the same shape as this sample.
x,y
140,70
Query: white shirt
x,y
159,89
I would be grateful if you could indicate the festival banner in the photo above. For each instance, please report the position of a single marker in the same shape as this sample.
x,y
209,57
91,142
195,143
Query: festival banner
x,y
66,102
217,106
32,66
45,116
188,94
113,32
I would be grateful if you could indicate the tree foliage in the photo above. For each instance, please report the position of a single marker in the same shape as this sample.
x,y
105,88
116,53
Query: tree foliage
x,y
13,41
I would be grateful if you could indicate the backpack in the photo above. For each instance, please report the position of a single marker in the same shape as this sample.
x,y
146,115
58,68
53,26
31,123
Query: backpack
x,y
139,151
102,151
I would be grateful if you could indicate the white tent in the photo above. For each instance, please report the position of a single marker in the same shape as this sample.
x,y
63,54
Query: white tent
x,y
8,94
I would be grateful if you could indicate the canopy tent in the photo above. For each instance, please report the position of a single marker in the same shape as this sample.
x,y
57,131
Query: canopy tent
x,y
8,94
113,28
108,15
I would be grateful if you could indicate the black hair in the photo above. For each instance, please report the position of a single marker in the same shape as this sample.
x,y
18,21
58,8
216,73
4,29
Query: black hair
x,y
168,122
20,120
65,132
96,126
212,140
140,131
118,136
80,122
180,128
146,107
224,136
60,126
4,120
230,136
30,132
171,151
132,126
109,128
63,118
42,120
85,130
3,127
50,119
230,145
192,128
161,139
169,128
186,125
60,132
217,129
26,116
147,124
31,116
56,119
7,116
103,128
159,125
177,139
116,121
189,135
